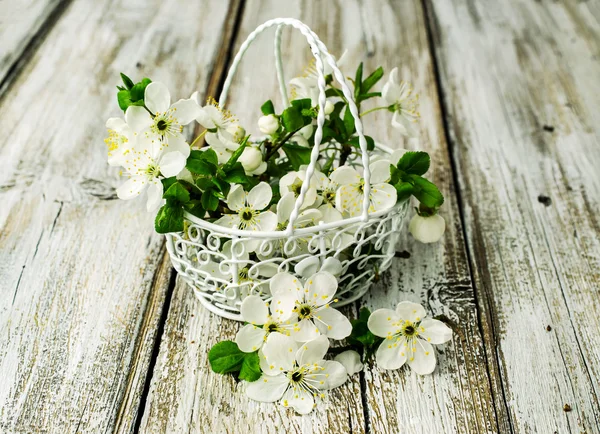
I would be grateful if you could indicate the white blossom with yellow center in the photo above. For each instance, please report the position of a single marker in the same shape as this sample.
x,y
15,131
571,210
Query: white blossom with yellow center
x,y
408,337
398,95
121,139
350,195
295,374
312,306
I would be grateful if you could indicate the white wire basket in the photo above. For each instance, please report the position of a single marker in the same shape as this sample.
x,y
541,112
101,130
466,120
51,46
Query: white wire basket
x,y
214,260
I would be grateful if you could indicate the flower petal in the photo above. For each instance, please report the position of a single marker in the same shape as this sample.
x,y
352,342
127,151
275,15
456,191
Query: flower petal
x,y
305,331
285,206
282,306
384,322
351,361
138,118
409,311
336,374
157,97
185,111
268,389
391,354
206,116
279,351
312,351
380,171
299,399
266,221
250,338
155,192
260,196
383,196
132,187
229,221
254,310
422,360
345,175
321,288
172,163
285,283
434,331
332,266
308,266
402,124
236,199
333,324
178,143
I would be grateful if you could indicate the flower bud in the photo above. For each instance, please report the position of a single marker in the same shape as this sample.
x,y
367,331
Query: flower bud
x,y
427,229
351,361
328,108
251,159
237,132
268,124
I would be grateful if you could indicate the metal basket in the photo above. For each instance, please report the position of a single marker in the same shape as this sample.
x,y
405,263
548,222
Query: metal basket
x,y
213,259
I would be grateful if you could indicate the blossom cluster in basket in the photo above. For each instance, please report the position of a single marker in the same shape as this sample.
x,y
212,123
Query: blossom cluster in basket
x,y
246,184
281,352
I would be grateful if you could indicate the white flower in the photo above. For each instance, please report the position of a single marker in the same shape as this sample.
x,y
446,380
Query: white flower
x,y
292,182
349,197
295,374
312,306
268,124
427,229
327,190
167,124
303,135
351,361
212,116
264,319
121,139
398,95
329,107
248,207
396,155
409,336
312,265
252,161
223,143
146,164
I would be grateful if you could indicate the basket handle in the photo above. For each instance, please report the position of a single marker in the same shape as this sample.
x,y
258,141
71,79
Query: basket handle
x,y
319,52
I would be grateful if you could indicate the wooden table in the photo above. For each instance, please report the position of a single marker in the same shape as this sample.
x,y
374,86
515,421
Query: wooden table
x,y
98,334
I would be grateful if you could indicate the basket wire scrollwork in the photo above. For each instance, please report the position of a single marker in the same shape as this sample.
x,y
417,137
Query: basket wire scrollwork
x,y
215,261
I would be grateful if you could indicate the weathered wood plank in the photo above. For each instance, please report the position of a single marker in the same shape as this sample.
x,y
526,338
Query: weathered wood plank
x,y
457,397
521,90
82,276
20,22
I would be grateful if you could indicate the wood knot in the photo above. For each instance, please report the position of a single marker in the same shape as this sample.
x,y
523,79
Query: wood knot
x,y
545,200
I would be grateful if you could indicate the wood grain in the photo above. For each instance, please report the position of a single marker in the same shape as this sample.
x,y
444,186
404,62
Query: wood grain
x,y
521,90
82,275
457,397
20,23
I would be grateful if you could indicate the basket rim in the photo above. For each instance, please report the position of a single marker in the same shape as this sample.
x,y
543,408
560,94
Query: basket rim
x,y
301,231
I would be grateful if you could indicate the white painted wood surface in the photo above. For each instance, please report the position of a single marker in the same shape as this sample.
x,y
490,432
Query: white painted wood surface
x,y
84,281
81,275
20,22
506,73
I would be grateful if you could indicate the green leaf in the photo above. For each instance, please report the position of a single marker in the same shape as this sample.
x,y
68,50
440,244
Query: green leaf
x,y
371,80
195,207
370,142
358,80
202,162
210,202
221,184
235,155
250,370
126,81
237,174
360,330
414,162
394,174
169,218
204,182
302,104
267,108
137,91
124,99
177,192
426,192
404,190
225,357
292,119
333,91
349,122
167,182
297,155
